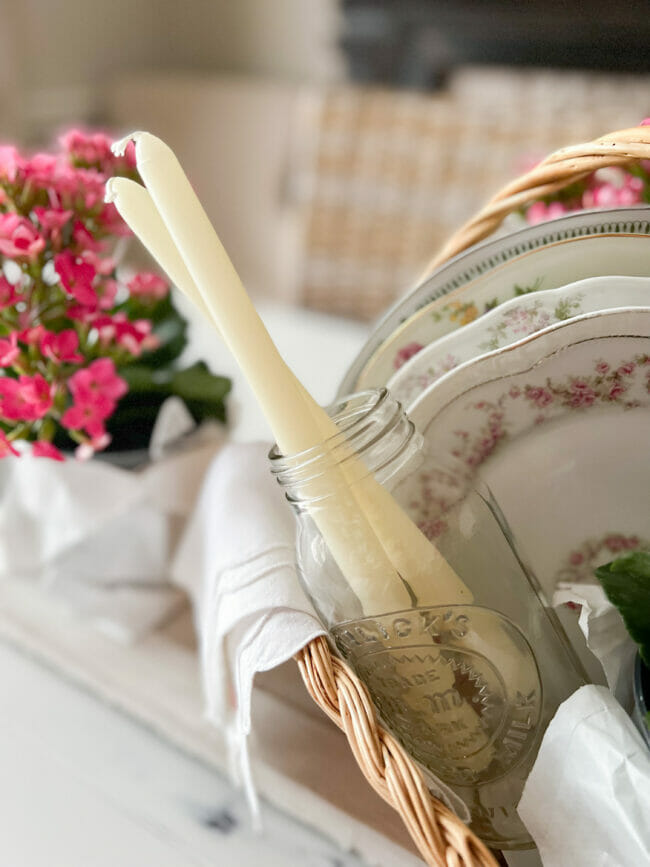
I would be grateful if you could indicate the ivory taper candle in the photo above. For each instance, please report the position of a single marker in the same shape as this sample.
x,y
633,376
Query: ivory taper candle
x,y
413,557
352,541
171,221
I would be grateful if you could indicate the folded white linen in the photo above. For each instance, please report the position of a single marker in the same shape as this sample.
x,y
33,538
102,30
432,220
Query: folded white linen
x,y
237,561
586,799
100,537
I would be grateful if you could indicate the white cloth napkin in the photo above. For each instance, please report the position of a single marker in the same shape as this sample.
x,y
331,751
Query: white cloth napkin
x,y
237,561
587,799
99,537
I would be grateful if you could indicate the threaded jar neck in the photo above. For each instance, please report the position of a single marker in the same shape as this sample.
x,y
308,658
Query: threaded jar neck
x,y
375,437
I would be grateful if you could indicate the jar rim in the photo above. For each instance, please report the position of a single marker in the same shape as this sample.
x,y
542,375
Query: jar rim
x,y
363,419
368,401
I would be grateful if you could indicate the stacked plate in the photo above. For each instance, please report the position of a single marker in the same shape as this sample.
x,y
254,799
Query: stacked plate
x,y
525,362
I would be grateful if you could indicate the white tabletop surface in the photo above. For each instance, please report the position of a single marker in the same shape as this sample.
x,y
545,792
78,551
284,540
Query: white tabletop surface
x,y
82,785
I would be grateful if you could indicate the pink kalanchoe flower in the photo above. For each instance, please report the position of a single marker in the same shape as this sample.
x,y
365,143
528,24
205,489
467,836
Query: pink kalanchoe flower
x,y
105,328
51,218
129,155
36,392
41,170
97,382
8,294
76,278
135,336
536,213
52,221
540,211
146,284
10,162
61,347
42,449
103,265
19,238
31,336
107,292
89,417
11,406
111,221
91,148
91,184
86,450
25,399
84,239
6,447
9,350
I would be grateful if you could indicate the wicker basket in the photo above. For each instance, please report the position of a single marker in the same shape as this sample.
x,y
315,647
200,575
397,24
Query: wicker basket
x,y
441,838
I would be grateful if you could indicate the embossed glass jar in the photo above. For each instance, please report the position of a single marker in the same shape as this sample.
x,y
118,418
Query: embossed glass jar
x,y
468,689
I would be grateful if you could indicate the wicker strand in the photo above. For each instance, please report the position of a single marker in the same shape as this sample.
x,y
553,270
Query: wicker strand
x,y
558,170
441,838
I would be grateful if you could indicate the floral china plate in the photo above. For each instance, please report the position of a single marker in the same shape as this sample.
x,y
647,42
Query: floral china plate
x,y
511,321
545,256
558,426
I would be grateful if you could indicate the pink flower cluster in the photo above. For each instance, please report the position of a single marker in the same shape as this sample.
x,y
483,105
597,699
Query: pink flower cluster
x,y
95,391
605,188
67,322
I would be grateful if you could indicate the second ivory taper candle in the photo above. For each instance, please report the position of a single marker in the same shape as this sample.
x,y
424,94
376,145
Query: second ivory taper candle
x,y
176,221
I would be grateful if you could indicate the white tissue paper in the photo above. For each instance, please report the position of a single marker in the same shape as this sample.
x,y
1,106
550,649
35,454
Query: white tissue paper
x,y
587,799
100,537
237,561
607,637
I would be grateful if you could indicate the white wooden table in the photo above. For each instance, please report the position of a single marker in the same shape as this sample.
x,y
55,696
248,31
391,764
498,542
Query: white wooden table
x,y
82,785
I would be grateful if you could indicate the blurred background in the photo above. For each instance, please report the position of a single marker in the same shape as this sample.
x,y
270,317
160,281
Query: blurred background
x,y
335,143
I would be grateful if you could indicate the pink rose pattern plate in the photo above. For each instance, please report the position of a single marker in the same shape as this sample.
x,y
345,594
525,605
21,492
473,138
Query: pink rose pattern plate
x,y
558,426
545,256
512,321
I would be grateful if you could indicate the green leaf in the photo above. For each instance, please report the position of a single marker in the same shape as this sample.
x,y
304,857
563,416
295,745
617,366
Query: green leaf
x,y
203,392
626,582
172,334
142,378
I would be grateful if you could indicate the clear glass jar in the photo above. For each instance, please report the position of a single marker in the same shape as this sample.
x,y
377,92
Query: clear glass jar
x,y
467,687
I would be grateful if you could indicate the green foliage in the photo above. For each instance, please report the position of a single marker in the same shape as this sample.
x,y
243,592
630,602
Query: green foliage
x,y
154,377
626,582
202,392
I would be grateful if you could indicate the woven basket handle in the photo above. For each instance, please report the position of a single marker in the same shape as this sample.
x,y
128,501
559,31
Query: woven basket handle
x,y
442,839
558,170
